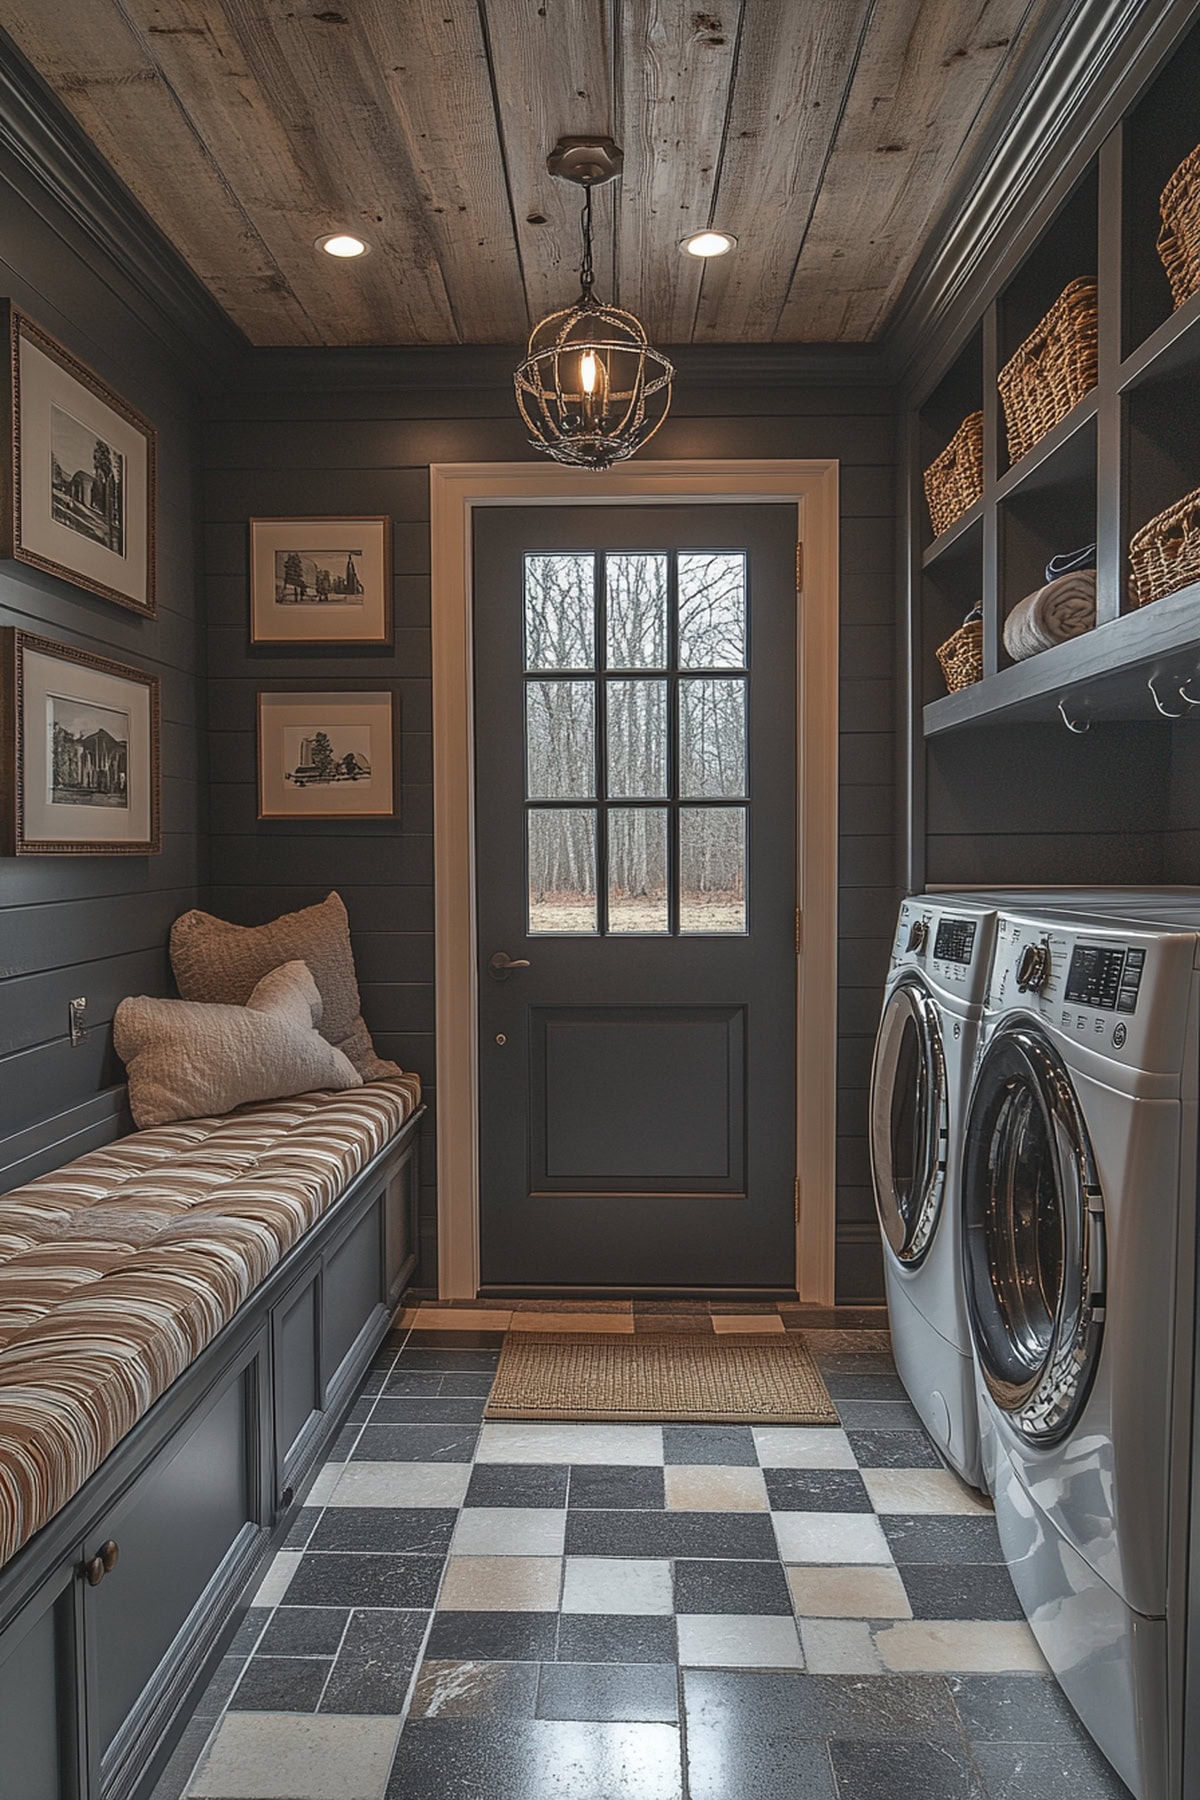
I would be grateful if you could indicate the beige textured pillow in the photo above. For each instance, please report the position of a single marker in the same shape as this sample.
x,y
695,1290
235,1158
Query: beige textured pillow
x,y
219,962
187,1060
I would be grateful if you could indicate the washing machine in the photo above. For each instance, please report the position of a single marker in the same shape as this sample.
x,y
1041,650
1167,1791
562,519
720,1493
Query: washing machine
x,y
1078,1195
932,1008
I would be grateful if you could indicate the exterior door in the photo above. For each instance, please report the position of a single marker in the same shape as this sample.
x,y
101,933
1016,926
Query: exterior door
x,y
635,753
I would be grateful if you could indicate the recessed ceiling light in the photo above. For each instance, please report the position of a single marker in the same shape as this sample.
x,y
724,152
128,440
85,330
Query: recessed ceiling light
x,y
709,243
341,243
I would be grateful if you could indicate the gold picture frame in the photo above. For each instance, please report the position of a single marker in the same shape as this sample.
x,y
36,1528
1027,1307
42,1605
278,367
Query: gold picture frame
x,y
329,754
321,580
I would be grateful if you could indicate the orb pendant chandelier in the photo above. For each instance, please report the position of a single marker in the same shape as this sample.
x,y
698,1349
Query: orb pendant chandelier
x,y
592,389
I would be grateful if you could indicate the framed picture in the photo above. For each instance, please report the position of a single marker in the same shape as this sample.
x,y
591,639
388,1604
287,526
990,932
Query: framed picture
x,y
320,581
81,472
79,752
327,756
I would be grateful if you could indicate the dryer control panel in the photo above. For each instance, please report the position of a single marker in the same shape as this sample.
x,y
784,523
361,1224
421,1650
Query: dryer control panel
x,y
950,942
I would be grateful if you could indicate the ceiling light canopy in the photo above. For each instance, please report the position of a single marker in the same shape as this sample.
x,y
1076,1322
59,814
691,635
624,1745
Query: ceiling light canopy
x,y
709,243
592,390
343,244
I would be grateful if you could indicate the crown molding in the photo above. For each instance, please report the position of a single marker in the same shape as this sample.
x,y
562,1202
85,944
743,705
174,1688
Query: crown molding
x,y
1083,69
55,154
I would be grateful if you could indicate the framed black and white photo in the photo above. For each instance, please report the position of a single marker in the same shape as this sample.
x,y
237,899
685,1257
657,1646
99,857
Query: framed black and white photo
x,y
79,752
82,469
327,756
320,581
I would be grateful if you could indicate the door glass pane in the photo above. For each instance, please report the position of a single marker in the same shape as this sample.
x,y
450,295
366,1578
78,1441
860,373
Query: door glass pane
x,y
712,738
637,610
712,869
560,610
712,610
560,740
637,868
637,739
562,869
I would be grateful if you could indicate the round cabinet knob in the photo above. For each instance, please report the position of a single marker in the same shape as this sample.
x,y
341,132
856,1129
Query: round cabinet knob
x,y
918,935
102,1564
1033,970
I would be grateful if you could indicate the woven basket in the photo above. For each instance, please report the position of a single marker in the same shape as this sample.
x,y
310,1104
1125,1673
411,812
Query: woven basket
x,y
954,480
1053,369
1164,555
961,656
1179,239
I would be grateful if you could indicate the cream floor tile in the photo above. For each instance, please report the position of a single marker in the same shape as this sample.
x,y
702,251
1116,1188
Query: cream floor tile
x,y
327,1479
401,1484
298,1756
626,1445
827,1537
738,1641
921,1491
961,1646
803,1447
858,1592
711,1487
511,1531
614,1584
501,1584
581,1322
747,1322
274,1584
449,1318
839,1647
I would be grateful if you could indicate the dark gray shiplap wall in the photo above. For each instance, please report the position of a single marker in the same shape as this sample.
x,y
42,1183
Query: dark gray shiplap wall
x,y
294,443
96,926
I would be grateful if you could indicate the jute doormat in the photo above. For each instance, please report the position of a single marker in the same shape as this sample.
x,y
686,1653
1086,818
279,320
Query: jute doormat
x,y
726,1379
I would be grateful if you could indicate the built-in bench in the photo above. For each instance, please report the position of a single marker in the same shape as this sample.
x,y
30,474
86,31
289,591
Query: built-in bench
x,y
185,1316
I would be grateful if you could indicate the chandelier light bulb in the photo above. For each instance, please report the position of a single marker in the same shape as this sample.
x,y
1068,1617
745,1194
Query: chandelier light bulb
x,y
588,371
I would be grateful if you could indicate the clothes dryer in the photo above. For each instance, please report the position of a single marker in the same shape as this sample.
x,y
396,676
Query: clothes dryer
x,y
1078,1187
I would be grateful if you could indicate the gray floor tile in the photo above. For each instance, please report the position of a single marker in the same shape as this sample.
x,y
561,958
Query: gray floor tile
x,y
940,1771
646,1694
442,1409
304,1631
730,1444
493,1637
413,1384
909,1708
343,1444
942,1538
671,1534
1048,1772
596,1487
468,1386
249,1631
301,1528
892,1450
475,1690
545,1759
178,1768
724,1765
446,1360
616,1638
1015,1709
854,1362
960,1591
375,1663
731,1587
281,1684
866,1387
480,1342
518,1484
365,1579
416,1443
878,1415
817,1490
407,1530
216,1695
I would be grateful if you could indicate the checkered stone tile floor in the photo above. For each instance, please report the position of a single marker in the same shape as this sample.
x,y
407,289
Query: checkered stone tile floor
x,y
471,1611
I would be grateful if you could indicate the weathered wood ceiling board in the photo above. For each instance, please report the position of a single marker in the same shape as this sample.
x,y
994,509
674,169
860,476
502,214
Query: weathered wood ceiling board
x,y
827,133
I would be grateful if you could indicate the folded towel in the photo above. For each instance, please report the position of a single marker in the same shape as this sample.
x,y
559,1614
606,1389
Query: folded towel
x,y
1062,609
1069,561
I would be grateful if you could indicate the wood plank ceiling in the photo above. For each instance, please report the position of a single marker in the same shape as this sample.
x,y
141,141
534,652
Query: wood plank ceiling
x,y
827,134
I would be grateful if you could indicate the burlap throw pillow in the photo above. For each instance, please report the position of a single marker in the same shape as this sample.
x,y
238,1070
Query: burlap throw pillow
x,y
188,1060
220,963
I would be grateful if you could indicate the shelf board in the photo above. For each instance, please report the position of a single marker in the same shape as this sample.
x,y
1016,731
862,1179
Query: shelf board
x,y
964,538
1174,346
1064,454
1100,676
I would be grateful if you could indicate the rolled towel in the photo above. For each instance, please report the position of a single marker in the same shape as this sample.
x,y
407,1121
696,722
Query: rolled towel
x,y
1063,609
1070,561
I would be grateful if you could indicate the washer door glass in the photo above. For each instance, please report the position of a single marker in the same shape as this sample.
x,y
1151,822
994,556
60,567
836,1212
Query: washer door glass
x,y
908,1121
1033,1235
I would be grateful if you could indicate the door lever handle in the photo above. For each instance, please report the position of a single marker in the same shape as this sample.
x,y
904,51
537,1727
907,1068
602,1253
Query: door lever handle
x,y
501,965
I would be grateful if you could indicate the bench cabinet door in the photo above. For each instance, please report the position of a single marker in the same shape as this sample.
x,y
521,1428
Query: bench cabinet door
x,y
39,1737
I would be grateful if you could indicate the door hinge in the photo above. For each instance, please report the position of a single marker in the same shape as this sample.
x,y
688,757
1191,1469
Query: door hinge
x,y
799,930
796,1201
799,568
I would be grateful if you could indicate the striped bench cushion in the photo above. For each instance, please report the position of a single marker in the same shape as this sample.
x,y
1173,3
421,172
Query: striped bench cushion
x,y
118,1269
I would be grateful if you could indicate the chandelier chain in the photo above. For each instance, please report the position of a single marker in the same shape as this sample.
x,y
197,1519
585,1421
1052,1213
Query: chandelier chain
x,y
586,272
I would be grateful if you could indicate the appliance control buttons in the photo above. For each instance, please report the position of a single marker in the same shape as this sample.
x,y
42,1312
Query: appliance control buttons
x,y
1033,970
1120,1033
918,935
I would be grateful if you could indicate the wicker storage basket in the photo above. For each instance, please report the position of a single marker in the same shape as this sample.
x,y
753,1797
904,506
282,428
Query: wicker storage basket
x,y
1053,369
1165,554
954,480
961,656
1179,239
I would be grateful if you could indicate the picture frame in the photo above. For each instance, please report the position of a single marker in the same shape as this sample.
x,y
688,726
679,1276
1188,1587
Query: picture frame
x,y
80,472
80,752
328,755
321,580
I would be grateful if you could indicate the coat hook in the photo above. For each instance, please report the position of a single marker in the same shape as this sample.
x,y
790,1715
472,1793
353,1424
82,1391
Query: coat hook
x,y
1188,699
1070,724
1158,703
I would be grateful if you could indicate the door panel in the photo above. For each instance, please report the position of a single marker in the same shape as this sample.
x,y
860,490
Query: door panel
x,y
635,689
